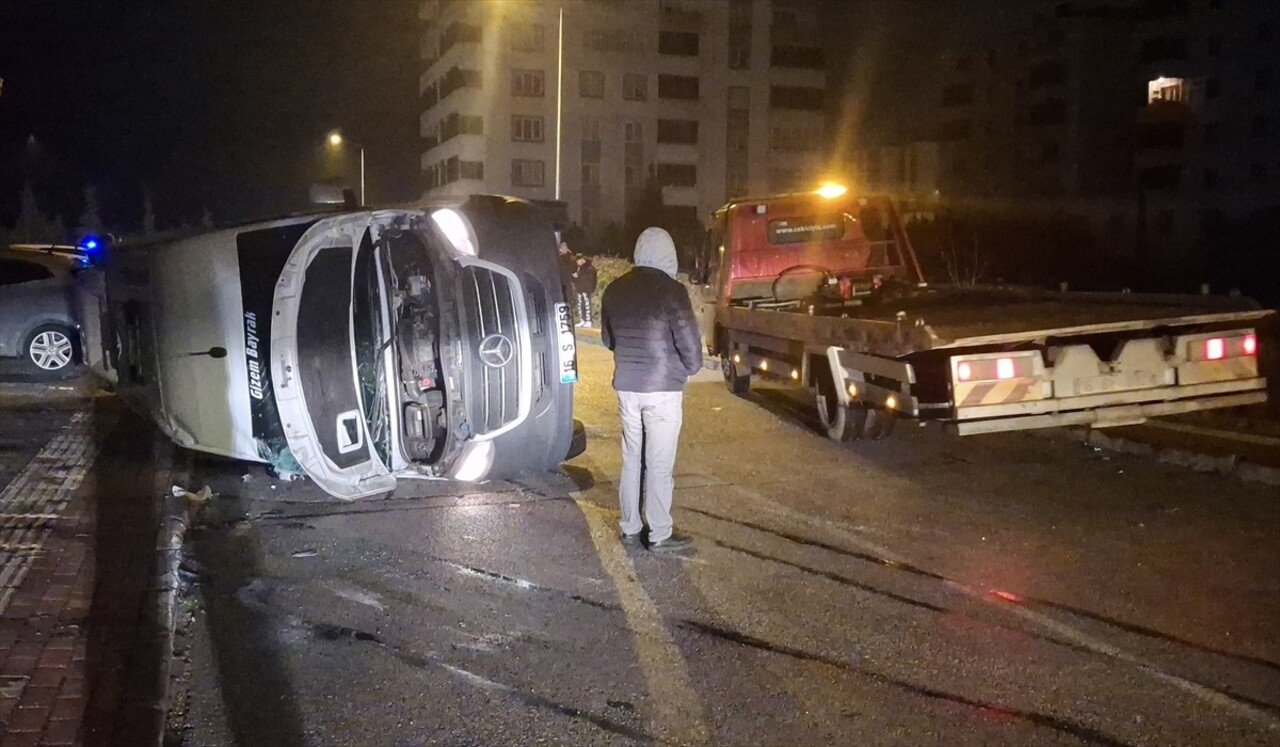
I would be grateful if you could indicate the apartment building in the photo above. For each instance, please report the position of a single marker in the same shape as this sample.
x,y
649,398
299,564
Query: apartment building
x,y
585,100
1207,139
1042,115
1156,122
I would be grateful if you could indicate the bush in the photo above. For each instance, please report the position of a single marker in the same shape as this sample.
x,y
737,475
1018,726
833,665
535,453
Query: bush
x,y
608,269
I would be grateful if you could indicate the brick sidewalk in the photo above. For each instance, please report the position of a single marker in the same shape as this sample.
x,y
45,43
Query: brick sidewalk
x,y
82,657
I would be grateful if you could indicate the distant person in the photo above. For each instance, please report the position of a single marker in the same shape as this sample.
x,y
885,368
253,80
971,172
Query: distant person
x,y
584,283
568,266
647,320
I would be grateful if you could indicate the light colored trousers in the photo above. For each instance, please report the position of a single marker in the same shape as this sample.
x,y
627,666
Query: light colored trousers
x,y
650,432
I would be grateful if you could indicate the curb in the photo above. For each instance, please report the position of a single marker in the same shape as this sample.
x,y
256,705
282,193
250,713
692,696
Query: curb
x,y
38,388
1229,465
180,512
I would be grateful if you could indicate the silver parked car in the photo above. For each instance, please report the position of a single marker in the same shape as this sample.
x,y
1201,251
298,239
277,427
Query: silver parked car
x,y
36,319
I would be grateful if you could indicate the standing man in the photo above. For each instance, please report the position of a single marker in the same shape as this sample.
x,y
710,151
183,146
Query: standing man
x,y
647,320
584,281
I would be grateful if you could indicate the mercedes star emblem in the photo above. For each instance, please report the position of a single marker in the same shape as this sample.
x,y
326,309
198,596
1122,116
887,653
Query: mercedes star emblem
x,y
496,351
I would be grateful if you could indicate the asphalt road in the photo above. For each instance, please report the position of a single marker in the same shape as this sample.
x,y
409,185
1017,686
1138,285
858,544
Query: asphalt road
x,y
1009,589
1005,590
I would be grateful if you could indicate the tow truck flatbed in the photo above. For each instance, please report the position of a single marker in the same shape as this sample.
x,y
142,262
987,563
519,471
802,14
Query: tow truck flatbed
x,y
962,317
824,291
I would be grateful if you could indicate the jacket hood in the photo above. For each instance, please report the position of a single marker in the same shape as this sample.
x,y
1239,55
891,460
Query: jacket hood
x,y
655,249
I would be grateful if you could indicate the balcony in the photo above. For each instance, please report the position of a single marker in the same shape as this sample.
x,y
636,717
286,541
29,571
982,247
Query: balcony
x,y
1164,111
458,33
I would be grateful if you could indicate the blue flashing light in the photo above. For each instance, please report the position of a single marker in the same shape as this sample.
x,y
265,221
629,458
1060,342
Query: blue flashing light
x,y
91,244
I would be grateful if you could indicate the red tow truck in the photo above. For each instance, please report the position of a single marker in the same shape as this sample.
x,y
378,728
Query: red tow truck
x,y
823,290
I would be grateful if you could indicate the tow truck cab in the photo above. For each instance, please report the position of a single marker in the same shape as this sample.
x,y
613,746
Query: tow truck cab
x,y
771,248
767,252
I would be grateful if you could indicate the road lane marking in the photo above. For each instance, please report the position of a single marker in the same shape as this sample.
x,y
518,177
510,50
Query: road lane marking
x,y
42,489
678,709
1070,632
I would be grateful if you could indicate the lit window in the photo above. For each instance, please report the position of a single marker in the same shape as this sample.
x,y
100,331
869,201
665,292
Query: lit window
x,y
1166,89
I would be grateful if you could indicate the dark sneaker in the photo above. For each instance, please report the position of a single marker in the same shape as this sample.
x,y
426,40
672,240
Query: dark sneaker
x,y
674,543
631,540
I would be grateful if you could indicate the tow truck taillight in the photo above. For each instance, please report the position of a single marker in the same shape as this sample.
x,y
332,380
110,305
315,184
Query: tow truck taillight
x,y
1221,347
997,367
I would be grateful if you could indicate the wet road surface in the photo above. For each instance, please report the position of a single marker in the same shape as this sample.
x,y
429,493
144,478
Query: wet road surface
x,y
1008,589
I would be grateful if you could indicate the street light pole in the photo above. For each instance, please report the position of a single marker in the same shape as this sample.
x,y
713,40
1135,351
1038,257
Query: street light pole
x,y
559,95
336,139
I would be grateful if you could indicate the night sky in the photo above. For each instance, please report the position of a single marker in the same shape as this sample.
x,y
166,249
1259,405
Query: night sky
x,y
225,105
222,105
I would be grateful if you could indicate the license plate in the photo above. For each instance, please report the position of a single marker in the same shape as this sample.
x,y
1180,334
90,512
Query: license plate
x,y
567,344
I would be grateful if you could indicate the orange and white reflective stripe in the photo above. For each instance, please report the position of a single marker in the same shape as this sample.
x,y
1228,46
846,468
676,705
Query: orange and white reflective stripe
x,y
997,392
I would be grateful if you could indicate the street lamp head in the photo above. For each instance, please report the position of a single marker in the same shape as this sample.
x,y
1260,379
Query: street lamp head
x,y
335,138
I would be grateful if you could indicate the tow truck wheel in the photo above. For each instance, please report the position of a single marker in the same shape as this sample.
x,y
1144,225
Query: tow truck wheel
x,y
834,417
737,383
879,423
857,421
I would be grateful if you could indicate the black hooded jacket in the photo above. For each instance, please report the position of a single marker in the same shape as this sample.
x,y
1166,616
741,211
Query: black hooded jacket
x,y
647,320
587,278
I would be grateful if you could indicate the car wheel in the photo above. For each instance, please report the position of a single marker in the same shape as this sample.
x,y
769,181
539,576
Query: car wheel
x,y
51,348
